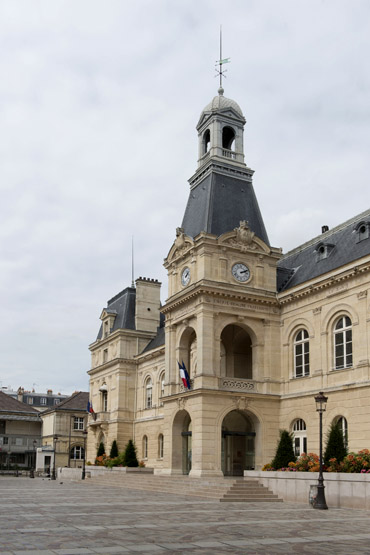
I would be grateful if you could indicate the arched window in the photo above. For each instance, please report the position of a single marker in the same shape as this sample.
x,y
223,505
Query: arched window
x,y
148,393
104,400
145,447
161,384
343,343
301,354
299,437
160,446
343,426
236,352
206,141
77,453
228,138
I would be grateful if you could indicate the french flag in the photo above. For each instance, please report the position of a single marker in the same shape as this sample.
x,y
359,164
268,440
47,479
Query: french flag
x,y
184,375
90,408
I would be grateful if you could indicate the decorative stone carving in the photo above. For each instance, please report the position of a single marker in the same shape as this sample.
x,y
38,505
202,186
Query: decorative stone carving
x,y
180,238
244,234
317,310
241,403
182,242
242,238
237,384
181,402
183,389
362,295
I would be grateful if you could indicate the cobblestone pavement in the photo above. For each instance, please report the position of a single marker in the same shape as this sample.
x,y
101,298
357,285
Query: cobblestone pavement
x,y
43,517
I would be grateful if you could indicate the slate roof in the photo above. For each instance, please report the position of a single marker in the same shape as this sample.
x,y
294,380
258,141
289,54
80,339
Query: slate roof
x,y
9,404
77,401
123,305
218,204
157,341
303,264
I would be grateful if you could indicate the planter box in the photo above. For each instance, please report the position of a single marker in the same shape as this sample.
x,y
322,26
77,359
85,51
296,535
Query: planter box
x,y
341,490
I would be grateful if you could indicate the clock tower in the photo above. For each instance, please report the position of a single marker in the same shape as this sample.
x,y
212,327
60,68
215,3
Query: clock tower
x,y
222,310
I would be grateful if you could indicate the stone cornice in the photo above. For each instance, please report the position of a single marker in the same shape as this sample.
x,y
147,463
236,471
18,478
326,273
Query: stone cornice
x,y
150,354
107,365
134,334
198,290
219,392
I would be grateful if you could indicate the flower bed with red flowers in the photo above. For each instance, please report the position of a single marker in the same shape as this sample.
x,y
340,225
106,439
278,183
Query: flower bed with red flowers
x,y
309,462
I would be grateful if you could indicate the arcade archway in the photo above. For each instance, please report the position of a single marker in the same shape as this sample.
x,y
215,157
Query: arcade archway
x,y
182,442
238,443
236,353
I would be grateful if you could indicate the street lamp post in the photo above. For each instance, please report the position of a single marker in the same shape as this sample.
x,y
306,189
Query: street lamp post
x,y
320,502
53,475
33,460
84,456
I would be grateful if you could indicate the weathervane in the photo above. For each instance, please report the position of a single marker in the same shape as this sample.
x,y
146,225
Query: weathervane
x,y
219,70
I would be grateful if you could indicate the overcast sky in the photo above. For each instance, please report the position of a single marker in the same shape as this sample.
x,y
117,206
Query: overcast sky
x,y
98,106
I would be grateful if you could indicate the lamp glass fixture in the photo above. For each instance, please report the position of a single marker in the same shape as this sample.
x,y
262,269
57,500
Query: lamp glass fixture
x,y
321,401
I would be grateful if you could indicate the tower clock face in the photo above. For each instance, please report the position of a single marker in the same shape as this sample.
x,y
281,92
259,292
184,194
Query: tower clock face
x,y
185,276
240,272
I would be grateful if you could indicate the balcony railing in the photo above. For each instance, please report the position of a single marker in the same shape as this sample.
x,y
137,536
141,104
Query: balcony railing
x,y
229,153
237,384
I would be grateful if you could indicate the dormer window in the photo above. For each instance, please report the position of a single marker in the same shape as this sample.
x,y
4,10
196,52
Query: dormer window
x,y
323,250
362,231
107,317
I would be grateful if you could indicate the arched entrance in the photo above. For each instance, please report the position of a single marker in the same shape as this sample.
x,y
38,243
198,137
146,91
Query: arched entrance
x,y
237,443
236,353
187,351
182,442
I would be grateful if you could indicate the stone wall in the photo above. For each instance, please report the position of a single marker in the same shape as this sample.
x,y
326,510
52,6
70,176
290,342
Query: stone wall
x,y
341,490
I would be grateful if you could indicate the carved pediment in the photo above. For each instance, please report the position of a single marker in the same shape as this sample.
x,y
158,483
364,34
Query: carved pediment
x,y
106,313
180,246
244,239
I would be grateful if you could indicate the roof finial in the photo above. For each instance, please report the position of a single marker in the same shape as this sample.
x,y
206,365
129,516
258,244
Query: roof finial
x,y
219,70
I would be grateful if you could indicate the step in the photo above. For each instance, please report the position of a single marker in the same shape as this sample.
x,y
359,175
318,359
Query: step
x,y
226,489
251,500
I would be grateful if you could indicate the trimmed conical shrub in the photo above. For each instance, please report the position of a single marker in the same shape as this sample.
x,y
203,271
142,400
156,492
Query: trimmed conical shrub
x,y
114,450
335,446
130,458
101,449
284,452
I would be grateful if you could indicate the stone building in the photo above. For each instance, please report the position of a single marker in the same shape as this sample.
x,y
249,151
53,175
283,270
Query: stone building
x,y
260,332
63,428
37,400
20,433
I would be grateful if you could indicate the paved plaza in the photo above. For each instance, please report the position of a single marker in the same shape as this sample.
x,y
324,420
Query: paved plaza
x,y
44,517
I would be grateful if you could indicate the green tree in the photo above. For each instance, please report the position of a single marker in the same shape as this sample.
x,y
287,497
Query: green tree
x,y
130,458
335,446
284,452
114,450
101,449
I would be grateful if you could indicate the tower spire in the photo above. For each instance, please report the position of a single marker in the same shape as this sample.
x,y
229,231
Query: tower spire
x,y
219,70
132,262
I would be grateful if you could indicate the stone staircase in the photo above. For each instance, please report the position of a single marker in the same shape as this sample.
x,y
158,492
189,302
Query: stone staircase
x,y
222,489
249,491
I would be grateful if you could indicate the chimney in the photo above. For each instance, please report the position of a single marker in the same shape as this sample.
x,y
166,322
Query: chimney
x,y
147,304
